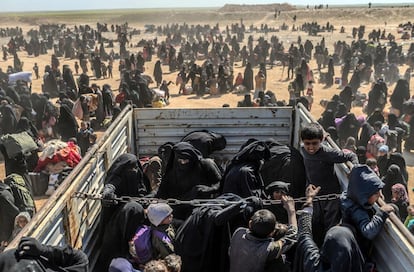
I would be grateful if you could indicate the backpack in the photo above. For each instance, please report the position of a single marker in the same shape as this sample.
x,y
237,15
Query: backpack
x,y
374,144
140,247
23,198
18,143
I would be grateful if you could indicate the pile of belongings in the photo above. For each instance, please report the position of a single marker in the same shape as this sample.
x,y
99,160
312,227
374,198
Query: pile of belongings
x,y
56,151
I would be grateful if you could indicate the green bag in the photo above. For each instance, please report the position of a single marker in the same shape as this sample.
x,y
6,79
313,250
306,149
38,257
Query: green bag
x,y
18,143
23,198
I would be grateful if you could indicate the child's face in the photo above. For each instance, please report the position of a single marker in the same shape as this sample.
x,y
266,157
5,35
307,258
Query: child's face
x,y
277,195
410,211
312,146
395,195
22,221
373,198
167,220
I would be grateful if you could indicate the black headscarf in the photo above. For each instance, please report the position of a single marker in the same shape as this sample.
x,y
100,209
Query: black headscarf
x,y
127,176
118,232
205,141
203,239
9,120
285,164
327,119
340,251
242,176
392,177
182,181
179,179
400,94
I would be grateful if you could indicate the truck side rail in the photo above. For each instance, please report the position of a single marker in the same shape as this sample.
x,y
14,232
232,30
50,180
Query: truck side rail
x,y
64,220
394,247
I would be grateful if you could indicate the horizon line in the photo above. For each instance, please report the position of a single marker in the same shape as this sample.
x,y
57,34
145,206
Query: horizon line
x,y
377,5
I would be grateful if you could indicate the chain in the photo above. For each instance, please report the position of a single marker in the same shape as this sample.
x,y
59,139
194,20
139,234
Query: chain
x,y
194,202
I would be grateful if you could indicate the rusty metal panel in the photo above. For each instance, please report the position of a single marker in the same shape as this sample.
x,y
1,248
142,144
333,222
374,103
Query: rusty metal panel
x,y
155,127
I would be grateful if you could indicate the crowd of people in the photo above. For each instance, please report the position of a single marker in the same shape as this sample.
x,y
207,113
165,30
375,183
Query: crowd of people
x,y
55,126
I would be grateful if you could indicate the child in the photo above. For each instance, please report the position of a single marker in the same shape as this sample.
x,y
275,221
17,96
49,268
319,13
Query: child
x,y
276,190
319,161
164,87
109,68
21,220
309,94
410,217
104,69
36,70
83,137
372,163
258,241
76,67
364,189
160,216
400,199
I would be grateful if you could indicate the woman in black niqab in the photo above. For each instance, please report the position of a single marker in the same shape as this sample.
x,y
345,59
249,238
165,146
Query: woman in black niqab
x,y
242,176
126,175
393,176
340,252
67,126
118,232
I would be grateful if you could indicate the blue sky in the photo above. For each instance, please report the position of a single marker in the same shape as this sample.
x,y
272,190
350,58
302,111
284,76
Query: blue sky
x,y
43,5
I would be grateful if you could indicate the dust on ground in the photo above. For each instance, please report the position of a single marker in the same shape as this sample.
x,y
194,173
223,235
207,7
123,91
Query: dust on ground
x,y
374,18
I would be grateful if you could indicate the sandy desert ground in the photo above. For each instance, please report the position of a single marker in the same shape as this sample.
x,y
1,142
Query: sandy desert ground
x,y
349,17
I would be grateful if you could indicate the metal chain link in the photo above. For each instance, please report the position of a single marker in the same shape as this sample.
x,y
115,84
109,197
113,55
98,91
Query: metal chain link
x,y
195,202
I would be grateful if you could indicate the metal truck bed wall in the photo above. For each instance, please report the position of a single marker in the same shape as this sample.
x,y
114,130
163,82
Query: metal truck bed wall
x,y
66,220
156,127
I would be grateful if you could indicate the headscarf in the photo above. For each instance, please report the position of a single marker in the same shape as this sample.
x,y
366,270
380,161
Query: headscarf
x,y
392,177
401,192
127,175
118,232
253,152
341,252
184,150
121,163
25,124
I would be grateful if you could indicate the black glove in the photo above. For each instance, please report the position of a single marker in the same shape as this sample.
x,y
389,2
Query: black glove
x,y
108,196
254,202
30,247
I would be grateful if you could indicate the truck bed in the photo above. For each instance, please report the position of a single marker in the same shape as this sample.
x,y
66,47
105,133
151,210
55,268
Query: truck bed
x,y
67,220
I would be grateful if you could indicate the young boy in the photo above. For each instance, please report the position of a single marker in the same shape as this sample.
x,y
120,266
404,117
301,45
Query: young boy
x,y
254,249
36,70
357,205
319,163
76,68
